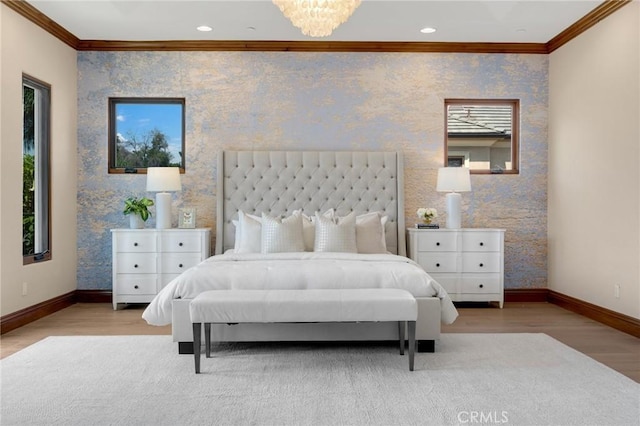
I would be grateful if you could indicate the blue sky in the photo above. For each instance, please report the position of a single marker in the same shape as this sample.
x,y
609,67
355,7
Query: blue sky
x,y
139,119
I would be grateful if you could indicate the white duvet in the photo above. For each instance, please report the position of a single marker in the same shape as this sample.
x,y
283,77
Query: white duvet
x,y
305,270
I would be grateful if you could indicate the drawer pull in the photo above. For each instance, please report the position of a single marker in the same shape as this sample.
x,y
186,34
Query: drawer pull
x,y
437,265
135,266
481,265
438,243
135,286
180,244
135,244
481,286
180,265
481,244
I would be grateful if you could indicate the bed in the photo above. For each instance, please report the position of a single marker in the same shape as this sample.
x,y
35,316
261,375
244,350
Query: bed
x,y
323,190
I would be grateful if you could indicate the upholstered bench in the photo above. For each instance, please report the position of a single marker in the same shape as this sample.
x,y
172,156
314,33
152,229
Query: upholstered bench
x,y
293,306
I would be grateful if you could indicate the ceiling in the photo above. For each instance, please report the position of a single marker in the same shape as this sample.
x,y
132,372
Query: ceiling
x,y
497,21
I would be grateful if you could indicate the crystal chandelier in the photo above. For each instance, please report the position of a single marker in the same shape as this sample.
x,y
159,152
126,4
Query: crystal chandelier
x,y
317,18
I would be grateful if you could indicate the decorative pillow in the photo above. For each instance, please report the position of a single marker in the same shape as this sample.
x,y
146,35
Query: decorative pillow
x,y
308,232
279,236
309,228
250,231
384,221
336,235
370,235
236,240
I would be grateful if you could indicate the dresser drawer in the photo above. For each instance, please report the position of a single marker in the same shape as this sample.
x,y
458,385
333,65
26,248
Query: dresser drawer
x,y
437,241
145,260
180,242
467,263
481,241
132,242
480,283
481,262
135,263
438,262
136,284
176,263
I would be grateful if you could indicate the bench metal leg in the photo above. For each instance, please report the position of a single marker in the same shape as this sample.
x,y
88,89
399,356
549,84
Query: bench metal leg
x,y
401,326
207,339
197,327
412,343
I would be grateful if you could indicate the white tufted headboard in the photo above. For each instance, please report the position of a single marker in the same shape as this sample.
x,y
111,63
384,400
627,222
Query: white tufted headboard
x,y
279,182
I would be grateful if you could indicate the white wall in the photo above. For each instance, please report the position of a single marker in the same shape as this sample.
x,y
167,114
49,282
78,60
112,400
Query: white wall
x,y
594,158
26,48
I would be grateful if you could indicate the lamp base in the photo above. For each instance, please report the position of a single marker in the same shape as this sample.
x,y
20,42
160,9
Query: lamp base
x,y
454,210
163,210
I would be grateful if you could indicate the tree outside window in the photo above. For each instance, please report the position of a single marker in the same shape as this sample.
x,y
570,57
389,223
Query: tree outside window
x,y
145,133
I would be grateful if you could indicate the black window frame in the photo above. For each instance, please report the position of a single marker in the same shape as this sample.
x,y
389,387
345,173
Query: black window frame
x,y
113,102
42,164
515,132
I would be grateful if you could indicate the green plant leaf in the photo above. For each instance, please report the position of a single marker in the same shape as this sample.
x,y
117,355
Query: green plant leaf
x,y
133,205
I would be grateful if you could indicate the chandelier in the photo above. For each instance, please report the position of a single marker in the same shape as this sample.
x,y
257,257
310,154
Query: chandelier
x,y
317,18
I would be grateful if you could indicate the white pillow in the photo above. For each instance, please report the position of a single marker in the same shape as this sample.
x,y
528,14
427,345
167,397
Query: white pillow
x,y
309,228
236,240
370,235
336,235
279,236
250,230
308,232
384,221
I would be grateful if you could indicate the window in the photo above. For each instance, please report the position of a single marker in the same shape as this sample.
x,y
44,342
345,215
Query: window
x,y
145,132
482,134
36,229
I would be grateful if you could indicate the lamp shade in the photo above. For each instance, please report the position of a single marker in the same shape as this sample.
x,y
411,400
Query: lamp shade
x,y
453,179
163,179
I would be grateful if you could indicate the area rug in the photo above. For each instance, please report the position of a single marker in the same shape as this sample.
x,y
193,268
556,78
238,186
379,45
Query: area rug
x,y
515,379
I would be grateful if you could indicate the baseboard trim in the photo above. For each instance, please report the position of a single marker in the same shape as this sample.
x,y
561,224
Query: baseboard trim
x,y
32,313
602,315
611,318
605,316
522,295
93,296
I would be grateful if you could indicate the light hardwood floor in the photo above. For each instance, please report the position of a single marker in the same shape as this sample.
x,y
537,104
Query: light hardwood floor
x,y
618,350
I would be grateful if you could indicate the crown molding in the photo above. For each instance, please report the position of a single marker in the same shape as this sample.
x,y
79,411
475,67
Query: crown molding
x,y
596,15
43,21
312,46
34,15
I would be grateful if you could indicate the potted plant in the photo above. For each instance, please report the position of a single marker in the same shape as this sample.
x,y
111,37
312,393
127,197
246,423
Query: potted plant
x,y
427,214
137,209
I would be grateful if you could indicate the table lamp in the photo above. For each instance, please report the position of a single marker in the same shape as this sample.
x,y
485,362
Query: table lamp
x,y
163,180
454,180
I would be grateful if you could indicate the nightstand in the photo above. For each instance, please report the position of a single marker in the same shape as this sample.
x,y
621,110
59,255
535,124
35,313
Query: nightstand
x,y
468,263
145,260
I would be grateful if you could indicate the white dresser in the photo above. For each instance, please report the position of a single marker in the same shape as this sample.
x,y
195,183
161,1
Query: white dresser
x,y
145,260
468,263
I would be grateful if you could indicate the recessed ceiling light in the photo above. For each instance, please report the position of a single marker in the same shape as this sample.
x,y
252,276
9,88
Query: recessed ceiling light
x,y
428,30
204,28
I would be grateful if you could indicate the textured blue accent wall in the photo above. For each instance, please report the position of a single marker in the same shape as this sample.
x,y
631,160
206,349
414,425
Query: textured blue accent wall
x,y
321,101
